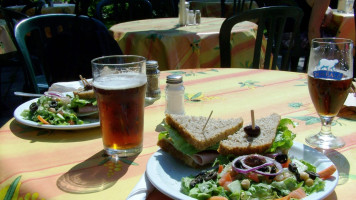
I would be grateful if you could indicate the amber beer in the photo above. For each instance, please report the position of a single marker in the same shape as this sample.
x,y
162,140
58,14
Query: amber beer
x,y
328,95
121,100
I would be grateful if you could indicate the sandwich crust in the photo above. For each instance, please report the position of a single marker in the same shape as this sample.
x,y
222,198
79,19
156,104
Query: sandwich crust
x,y
241,144
191,129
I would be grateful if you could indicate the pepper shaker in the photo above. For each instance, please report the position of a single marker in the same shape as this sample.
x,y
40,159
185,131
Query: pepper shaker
x,y
152,92
174,95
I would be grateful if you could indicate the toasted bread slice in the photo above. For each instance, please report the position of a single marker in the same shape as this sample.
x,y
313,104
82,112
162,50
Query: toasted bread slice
x,y
169,148
191,129
85,94
241,144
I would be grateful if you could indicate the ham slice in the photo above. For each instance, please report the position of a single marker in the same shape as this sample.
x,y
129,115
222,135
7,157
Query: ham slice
x,y
204,157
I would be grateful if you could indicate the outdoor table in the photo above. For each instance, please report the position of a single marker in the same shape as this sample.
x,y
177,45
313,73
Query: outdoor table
x,y
42,157
6,44
187,47
56,8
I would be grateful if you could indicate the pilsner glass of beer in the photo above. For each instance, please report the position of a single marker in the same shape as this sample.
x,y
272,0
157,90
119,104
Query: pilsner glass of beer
x,y
120,86
330,73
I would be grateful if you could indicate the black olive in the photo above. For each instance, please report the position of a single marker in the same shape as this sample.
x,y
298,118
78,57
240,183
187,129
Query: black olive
x,y
210,176
53,104
292,167
252,132
192,183
297,175
263,169
312,175
33,107
273,170
238,164
281,158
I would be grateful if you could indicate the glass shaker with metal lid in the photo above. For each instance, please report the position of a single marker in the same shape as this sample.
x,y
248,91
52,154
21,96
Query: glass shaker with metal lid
x,y
152,92
174,95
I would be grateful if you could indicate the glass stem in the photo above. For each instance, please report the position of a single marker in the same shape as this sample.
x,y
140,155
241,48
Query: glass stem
x,y
326,125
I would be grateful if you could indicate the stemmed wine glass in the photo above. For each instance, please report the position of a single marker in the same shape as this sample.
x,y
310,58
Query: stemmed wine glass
x,y
330,72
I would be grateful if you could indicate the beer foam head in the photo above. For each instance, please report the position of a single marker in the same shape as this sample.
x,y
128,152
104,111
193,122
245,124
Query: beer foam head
x,y
120,81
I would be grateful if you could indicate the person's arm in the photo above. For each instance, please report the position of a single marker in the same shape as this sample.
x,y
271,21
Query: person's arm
x,y
319,8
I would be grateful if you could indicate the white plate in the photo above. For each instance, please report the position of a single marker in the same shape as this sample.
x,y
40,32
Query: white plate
x,y
25,106
165,172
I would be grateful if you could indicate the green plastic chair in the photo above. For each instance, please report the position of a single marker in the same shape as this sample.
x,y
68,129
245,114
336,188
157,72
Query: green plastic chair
x,y
61,46
238,6
271,22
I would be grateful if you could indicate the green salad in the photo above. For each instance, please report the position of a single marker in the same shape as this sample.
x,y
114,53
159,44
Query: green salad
x,y
270,176
56,109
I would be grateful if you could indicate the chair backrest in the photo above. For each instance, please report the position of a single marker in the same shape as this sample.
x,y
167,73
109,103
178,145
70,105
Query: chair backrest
x,y
12,18
238,6
62,45
271,22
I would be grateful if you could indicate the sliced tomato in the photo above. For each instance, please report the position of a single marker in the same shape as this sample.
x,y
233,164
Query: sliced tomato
x,y
326,173
253,176
285,165
225,180
221,167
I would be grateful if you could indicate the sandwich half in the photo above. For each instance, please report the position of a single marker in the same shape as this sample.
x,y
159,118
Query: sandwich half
x,y
242,144
186,140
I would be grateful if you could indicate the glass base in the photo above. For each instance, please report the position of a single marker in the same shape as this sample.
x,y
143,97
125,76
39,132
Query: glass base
x,y
124,152
325,141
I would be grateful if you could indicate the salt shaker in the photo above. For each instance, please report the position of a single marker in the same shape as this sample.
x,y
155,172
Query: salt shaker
x,y
174,95
191,17
152,92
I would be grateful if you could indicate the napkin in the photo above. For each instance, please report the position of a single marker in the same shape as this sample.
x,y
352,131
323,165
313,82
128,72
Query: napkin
x,y
142,189
67,86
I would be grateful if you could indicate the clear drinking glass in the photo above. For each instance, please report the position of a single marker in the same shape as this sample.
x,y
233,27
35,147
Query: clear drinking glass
x,y
120,85
330,72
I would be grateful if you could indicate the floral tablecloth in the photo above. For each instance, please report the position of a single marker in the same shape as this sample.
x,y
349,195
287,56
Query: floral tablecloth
x,y
185,47
44,159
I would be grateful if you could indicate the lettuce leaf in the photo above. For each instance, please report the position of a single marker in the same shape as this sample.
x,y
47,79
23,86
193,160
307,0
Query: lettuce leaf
x,y
284,137
286,186
179,142
259,191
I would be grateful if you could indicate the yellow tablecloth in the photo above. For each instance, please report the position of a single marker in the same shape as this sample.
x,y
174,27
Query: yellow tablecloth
x,y
186,47
43,157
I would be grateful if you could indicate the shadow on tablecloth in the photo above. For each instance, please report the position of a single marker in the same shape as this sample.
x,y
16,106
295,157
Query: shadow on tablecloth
x,y
95,174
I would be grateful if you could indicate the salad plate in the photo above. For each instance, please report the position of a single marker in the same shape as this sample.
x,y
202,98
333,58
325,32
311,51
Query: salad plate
x,y
25,106
165,172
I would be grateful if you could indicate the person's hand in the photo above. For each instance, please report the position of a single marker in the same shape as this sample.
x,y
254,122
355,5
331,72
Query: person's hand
x,y
327,17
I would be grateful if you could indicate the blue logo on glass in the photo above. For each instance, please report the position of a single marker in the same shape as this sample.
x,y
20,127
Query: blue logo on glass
x,y
326,69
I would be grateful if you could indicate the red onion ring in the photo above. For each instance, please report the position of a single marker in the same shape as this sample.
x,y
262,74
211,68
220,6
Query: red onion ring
x,y
269,161
54,94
